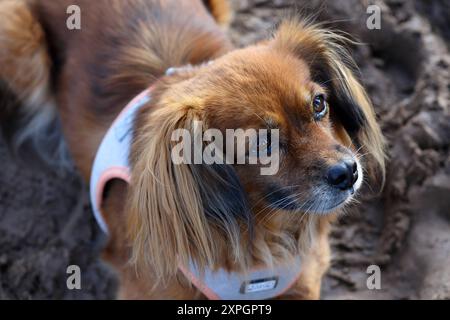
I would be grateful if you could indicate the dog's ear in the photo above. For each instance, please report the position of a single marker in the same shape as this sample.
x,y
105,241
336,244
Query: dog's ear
x,y
220,10
179,213
331,65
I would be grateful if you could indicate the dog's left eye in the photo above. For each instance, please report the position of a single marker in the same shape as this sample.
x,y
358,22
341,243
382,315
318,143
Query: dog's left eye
x,y
262,146
320,106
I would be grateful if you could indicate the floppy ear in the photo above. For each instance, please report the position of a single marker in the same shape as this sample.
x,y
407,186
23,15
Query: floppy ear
x,y
331,65
220,10
179,213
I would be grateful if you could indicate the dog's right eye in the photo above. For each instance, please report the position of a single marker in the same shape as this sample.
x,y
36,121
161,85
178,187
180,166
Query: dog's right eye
x,y
319,106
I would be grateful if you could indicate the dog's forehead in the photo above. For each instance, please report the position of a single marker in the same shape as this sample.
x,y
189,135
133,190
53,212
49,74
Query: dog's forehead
x,y
265,64
267,80
260,76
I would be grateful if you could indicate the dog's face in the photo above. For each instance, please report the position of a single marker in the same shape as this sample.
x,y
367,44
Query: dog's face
x,y
296,84
264,88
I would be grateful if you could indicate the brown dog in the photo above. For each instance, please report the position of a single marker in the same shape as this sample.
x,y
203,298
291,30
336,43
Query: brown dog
x,y
224,217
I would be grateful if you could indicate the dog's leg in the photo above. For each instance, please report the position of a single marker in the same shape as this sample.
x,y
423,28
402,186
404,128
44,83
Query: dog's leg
x,y
117,251
309,283
313,268
132,285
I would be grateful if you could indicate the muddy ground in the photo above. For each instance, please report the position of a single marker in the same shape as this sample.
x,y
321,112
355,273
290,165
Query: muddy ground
x,y
45,218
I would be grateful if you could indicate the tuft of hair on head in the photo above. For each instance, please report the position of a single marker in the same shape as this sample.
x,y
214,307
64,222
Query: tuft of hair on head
x,y
332,66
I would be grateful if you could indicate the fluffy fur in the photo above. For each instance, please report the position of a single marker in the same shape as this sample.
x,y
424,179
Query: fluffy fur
x,y
26,75
223,216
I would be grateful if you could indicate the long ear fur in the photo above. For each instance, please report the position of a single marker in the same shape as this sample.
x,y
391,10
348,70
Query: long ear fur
x,y
179,213
331,65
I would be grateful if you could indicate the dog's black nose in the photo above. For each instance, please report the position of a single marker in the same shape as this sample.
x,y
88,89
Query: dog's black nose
x,y
343,175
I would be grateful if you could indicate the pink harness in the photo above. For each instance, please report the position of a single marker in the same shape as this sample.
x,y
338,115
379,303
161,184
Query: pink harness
x,y
111,162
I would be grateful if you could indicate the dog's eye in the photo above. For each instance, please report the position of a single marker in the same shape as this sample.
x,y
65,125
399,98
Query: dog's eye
x,y
319,106
261,146
265,145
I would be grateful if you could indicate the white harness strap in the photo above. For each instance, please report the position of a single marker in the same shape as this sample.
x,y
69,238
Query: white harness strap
x,y
258,284
111,162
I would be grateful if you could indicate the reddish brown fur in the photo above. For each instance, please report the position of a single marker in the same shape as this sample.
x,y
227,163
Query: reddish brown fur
x,y
123,47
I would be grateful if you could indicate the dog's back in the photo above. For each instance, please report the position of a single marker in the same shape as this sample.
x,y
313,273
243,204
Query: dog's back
x,y
92,72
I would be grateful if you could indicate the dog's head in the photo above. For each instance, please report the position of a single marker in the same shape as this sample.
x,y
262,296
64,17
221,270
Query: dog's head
x,y
299,85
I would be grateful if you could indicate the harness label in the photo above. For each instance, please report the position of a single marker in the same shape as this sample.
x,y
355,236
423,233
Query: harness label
x,y
259,285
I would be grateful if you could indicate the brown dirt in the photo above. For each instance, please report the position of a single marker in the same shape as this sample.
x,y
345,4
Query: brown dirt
x,y
45,219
